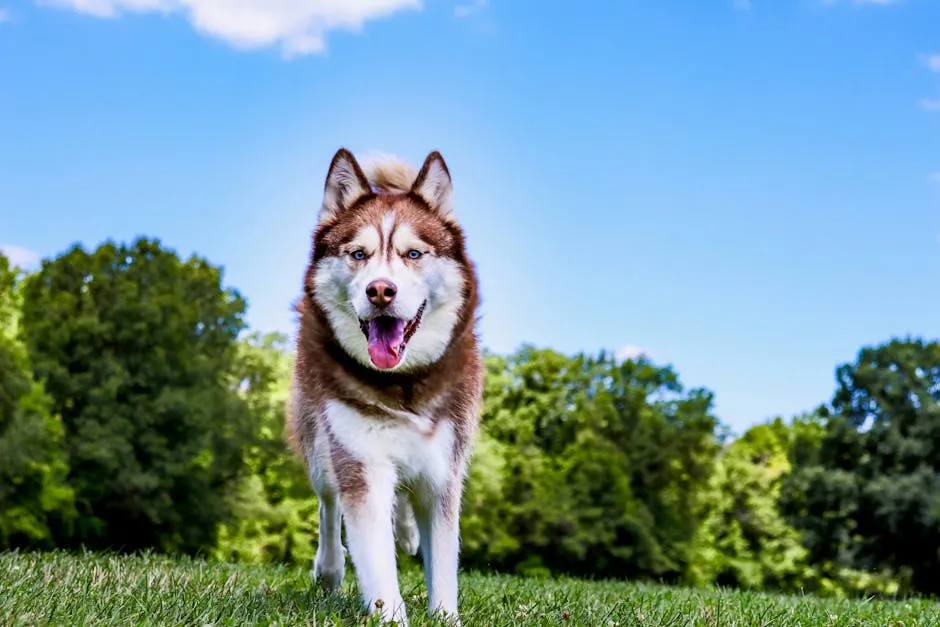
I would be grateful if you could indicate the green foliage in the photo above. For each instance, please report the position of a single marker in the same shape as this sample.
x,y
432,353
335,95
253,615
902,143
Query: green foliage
x,y
275,509
744,540
33,495
593,467
485,538
135,348
868,500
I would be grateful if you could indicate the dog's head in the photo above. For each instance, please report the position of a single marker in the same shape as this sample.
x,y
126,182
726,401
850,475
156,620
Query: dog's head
x,y
389,267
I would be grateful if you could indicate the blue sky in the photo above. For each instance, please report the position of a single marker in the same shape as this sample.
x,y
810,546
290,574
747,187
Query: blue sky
x,y
748,191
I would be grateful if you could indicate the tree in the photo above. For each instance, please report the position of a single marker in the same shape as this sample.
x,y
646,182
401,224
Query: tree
x,y
276,510
33,496
869,500
136,348
745,541
598,466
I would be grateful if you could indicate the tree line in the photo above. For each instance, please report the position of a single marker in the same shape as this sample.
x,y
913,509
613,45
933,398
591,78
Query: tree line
x,y
138,411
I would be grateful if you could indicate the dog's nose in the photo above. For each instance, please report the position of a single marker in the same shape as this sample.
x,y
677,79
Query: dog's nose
x,y
381,292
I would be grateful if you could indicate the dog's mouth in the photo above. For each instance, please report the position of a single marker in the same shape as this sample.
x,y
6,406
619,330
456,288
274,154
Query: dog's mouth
x,y
388,336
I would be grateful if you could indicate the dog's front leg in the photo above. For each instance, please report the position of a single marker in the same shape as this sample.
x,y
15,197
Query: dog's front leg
x,y
371,542
437,510
330,562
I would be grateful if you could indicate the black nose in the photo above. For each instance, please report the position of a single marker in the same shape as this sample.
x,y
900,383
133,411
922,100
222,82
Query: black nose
x,y
381,292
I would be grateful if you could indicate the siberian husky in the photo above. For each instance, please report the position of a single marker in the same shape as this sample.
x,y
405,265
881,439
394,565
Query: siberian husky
x,y
388,377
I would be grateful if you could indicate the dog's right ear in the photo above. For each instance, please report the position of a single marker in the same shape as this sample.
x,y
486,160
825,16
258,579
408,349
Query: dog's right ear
x,y
345,184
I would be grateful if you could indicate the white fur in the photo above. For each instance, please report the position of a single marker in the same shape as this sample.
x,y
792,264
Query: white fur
x,y
408,474
413,455
406,527
340,289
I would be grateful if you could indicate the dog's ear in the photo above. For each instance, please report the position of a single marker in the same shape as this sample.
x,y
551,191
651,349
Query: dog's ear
x,y
434,186
345,184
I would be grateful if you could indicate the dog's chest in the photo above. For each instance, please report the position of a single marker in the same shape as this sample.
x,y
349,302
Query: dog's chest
x,y
413,446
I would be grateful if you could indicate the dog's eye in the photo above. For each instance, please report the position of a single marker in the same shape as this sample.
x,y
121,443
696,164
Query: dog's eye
x,y
359,255
414,254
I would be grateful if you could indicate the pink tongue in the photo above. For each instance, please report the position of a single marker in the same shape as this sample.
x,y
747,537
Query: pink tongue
x,y
385,338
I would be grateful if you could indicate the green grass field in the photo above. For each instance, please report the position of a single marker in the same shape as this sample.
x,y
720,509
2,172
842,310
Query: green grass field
x,y
59,589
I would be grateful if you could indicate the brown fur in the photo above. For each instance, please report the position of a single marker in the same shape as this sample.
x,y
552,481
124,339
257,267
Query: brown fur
x,y
447,390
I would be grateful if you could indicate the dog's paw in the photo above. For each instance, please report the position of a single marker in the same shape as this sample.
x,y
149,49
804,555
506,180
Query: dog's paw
x,y
408,539
330,579
329,573
406,529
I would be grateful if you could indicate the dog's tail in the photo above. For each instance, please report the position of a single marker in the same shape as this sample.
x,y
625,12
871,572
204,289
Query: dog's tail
x,y
389,173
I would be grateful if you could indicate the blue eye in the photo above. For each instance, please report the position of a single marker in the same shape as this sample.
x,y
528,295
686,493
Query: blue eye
x,y
413,254
359,255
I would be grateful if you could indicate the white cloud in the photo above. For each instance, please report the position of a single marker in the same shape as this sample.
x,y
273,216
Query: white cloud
x,y
298,26
466,10
631,351
19,256
932,63
930,104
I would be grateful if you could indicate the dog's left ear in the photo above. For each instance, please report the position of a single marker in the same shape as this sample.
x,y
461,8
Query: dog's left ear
x,y
434,186
345,184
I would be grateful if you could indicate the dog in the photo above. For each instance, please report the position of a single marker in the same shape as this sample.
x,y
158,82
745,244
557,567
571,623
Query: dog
x,y
387,384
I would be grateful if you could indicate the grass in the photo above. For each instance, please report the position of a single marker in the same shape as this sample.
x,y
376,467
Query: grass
x,y
62,589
